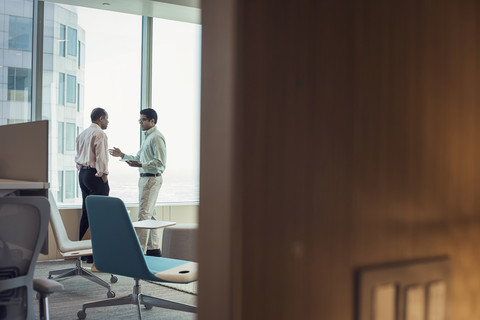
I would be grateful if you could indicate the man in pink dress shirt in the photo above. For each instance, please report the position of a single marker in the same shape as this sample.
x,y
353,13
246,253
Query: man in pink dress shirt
x,y
92,162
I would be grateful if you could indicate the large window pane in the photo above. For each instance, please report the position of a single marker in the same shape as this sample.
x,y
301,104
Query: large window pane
x,y
61,77
105,74
20,33
176,98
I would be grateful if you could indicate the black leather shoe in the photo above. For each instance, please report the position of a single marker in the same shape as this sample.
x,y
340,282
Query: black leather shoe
x,y
154,253
87,259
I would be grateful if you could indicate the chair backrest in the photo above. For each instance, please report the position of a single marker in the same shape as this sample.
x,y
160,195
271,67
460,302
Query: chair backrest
x,y
23,230
115,244
64,244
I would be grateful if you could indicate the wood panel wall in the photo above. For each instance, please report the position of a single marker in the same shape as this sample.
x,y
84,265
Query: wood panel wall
x,y
348,136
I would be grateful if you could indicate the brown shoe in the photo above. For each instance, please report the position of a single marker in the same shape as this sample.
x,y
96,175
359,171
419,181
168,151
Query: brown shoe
x,y
94,269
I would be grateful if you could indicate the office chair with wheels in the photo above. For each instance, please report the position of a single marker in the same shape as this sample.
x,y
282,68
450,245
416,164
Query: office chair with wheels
x,y
23,230
116,249
73,249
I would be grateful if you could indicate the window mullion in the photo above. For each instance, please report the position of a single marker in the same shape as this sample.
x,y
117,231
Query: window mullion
x,y
146,66
37,60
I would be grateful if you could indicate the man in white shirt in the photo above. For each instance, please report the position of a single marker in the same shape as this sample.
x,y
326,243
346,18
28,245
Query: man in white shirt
x,y
151,161
92,162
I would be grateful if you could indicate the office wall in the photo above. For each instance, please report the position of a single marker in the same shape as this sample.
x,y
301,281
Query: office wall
x,y
345,134
71,218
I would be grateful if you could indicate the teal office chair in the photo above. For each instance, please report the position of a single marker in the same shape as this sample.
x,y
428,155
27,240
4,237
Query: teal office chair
x,y
116,250
23,230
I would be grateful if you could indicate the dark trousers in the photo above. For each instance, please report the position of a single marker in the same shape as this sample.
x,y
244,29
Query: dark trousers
x,y
90,184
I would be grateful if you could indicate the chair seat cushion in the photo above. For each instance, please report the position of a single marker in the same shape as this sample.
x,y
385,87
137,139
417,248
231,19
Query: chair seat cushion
x,y
172,270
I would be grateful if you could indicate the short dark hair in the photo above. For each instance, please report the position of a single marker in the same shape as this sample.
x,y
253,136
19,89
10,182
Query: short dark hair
x,y
150,114
97,113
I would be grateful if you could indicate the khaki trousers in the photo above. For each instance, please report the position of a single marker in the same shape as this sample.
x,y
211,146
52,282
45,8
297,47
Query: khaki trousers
x,y
149,188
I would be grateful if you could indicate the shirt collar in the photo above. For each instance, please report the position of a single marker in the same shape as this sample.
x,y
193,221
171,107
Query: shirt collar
x,y
94,125
149,131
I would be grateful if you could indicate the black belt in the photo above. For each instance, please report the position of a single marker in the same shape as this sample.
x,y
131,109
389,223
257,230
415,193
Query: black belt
x,y
86,167
150,174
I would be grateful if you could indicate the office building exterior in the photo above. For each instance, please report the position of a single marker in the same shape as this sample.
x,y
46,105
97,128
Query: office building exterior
x,y
63,82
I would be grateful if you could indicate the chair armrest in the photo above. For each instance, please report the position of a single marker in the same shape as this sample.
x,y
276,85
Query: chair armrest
x,y
46,286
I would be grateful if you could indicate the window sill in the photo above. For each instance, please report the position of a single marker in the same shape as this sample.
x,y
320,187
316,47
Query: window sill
x,y
134,204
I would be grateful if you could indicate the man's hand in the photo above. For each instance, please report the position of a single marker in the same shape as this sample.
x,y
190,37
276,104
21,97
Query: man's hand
x,y
132,163
116,152
105,178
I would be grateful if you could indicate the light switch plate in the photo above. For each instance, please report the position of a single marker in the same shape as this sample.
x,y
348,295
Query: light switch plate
x,y
411,290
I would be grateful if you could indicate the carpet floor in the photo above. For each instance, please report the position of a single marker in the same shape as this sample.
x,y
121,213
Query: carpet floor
x,y
65,304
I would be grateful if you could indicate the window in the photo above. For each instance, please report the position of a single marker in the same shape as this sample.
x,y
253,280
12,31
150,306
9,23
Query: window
x,y
106,73
62,41
15,61
61,88
72,42
78,97
112,81
71,89
81,55
60,186
176,98
70,136
20,33
60,139
19,84
70,184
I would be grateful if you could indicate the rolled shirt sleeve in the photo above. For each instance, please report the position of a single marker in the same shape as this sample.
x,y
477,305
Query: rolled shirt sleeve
x,y
101,152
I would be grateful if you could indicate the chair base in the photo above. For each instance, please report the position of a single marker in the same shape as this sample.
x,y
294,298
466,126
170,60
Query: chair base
x,y
78,270
137,298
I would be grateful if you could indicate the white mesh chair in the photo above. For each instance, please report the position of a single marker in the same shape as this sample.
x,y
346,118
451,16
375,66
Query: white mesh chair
x,y
73,249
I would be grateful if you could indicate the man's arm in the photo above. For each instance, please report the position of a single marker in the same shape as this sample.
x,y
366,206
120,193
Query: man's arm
x,y
101,154
116,152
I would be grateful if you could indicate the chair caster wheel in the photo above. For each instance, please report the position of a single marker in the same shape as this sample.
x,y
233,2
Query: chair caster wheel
x,y
50,277
113,279
110,294
148,307
81,315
